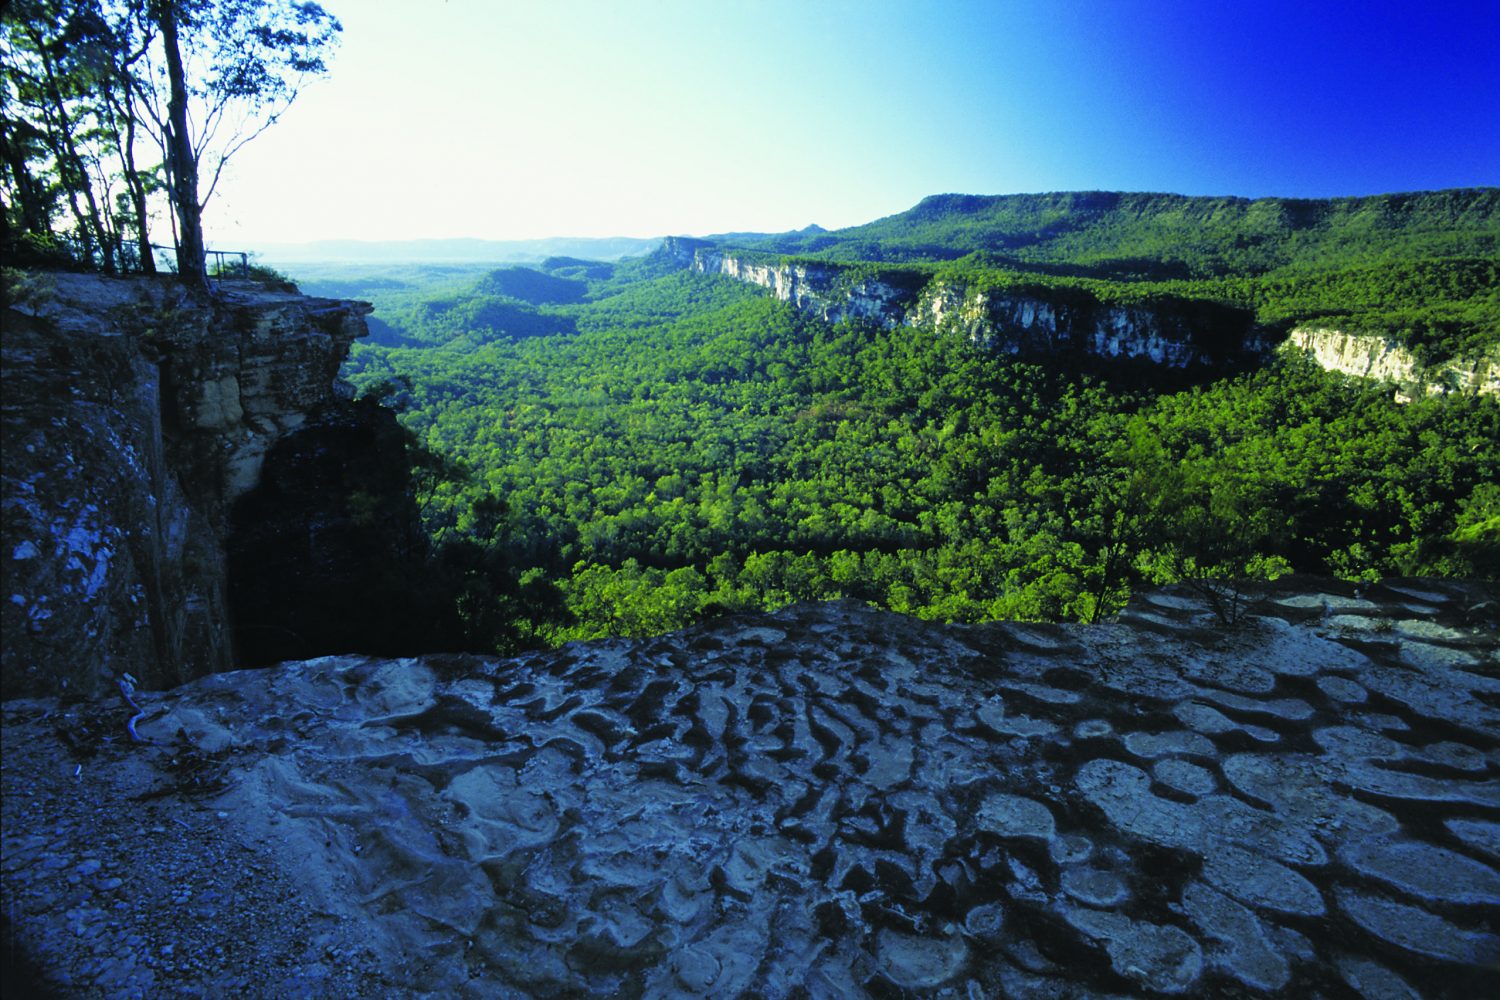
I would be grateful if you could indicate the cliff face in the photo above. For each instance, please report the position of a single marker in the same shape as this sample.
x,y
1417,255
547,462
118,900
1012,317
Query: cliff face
x,y
135,417
1173,335
813,288
829,801
1176,336
1376,357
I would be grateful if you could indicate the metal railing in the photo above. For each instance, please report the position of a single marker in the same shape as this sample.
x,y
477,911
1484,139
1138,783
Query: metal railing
x,y
221,260
67,251
225,262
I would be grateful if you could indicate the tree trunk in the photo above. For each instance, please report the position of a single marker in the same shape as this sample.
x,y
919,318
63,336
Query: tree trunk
x,y
35,216
70,169
182,163
133,181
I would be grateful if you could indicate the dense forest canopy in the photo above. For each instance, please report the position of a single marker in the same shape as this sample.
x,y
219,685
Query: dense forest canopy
x,y
625,448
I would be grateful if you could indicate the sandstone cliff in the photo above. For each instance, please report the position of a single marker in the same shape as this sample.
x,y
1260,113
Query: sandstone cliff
x,y
825,802
1170,334
1378,357
135,418
1175,334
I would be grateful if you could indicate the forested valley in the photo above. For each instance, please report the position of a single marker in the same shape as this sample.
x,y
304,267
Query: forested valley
x,y
625,448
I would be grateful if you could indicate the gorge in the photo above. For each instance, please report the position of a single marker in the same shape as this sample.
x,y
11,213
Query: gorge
x,y
755,777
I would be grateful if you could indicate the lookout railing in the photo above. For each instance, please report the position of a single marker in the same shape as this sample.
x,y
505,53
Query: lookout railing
x,y
222,263
68,252
222,259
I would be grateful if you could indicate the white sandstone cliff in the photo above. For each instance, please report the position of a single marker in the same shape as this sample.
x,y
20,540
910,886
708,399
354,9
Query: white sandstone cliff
x,y
1378,357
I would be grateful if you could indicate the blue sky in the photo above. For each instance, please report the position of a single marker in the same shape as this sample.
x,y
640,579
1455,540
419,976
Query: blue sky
x,y
515,119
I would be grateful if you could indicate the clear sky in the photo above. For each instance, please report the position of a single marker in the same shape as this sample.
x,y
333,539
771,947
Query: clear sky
x,y
516,119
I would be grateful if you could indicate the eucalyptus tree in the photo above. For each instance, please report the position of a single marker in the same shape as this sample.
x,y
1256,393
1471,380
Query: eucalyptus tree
x,y
228,71
69,131
89,86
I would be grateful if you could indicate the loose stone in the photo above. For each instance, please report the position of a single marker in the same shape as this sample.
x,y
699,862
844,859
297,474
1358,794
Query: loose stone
x,y
1477,833
1375,982
1342,690
1094,887
1427,872
1177,742
1243,949
921,963
1261,882
1190,779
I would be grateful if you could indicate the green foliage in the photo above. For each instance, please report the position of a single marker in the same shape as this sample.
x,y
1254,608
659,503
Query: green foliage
x,y
576,268
689,446
27,288
528,285
261,274
70,192
112,106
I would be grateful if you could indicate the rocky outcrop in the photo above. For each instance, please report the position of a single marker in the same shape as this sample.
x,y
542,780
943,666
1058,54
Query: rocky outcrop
x,y
135,416
829,801
816,288
1176,335
1378,357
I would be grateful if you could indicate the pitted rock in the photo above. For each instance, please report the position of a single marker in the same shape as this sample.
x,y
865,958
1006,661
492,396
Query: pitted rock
x,y
833,801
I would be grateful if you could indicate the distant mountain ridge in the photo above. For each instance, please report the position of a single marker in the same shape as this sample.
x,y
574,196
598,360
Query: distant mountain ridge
x,y
1418,271
477,251
1168,235
1105,232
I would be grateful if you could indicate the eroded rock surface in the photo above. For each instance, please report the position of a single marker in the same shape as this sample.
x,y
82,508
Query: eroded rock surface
x,y
827,802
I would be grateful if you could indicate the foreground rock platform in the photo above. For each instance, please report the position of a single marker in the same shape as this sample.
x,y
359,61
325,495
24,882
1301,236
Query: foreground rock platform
x,y
829,801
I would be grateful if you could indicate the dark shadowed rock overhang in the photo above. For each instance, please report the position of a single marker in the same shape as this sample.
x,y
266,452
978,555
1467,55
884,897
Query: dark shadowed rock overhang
x,y
136,416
